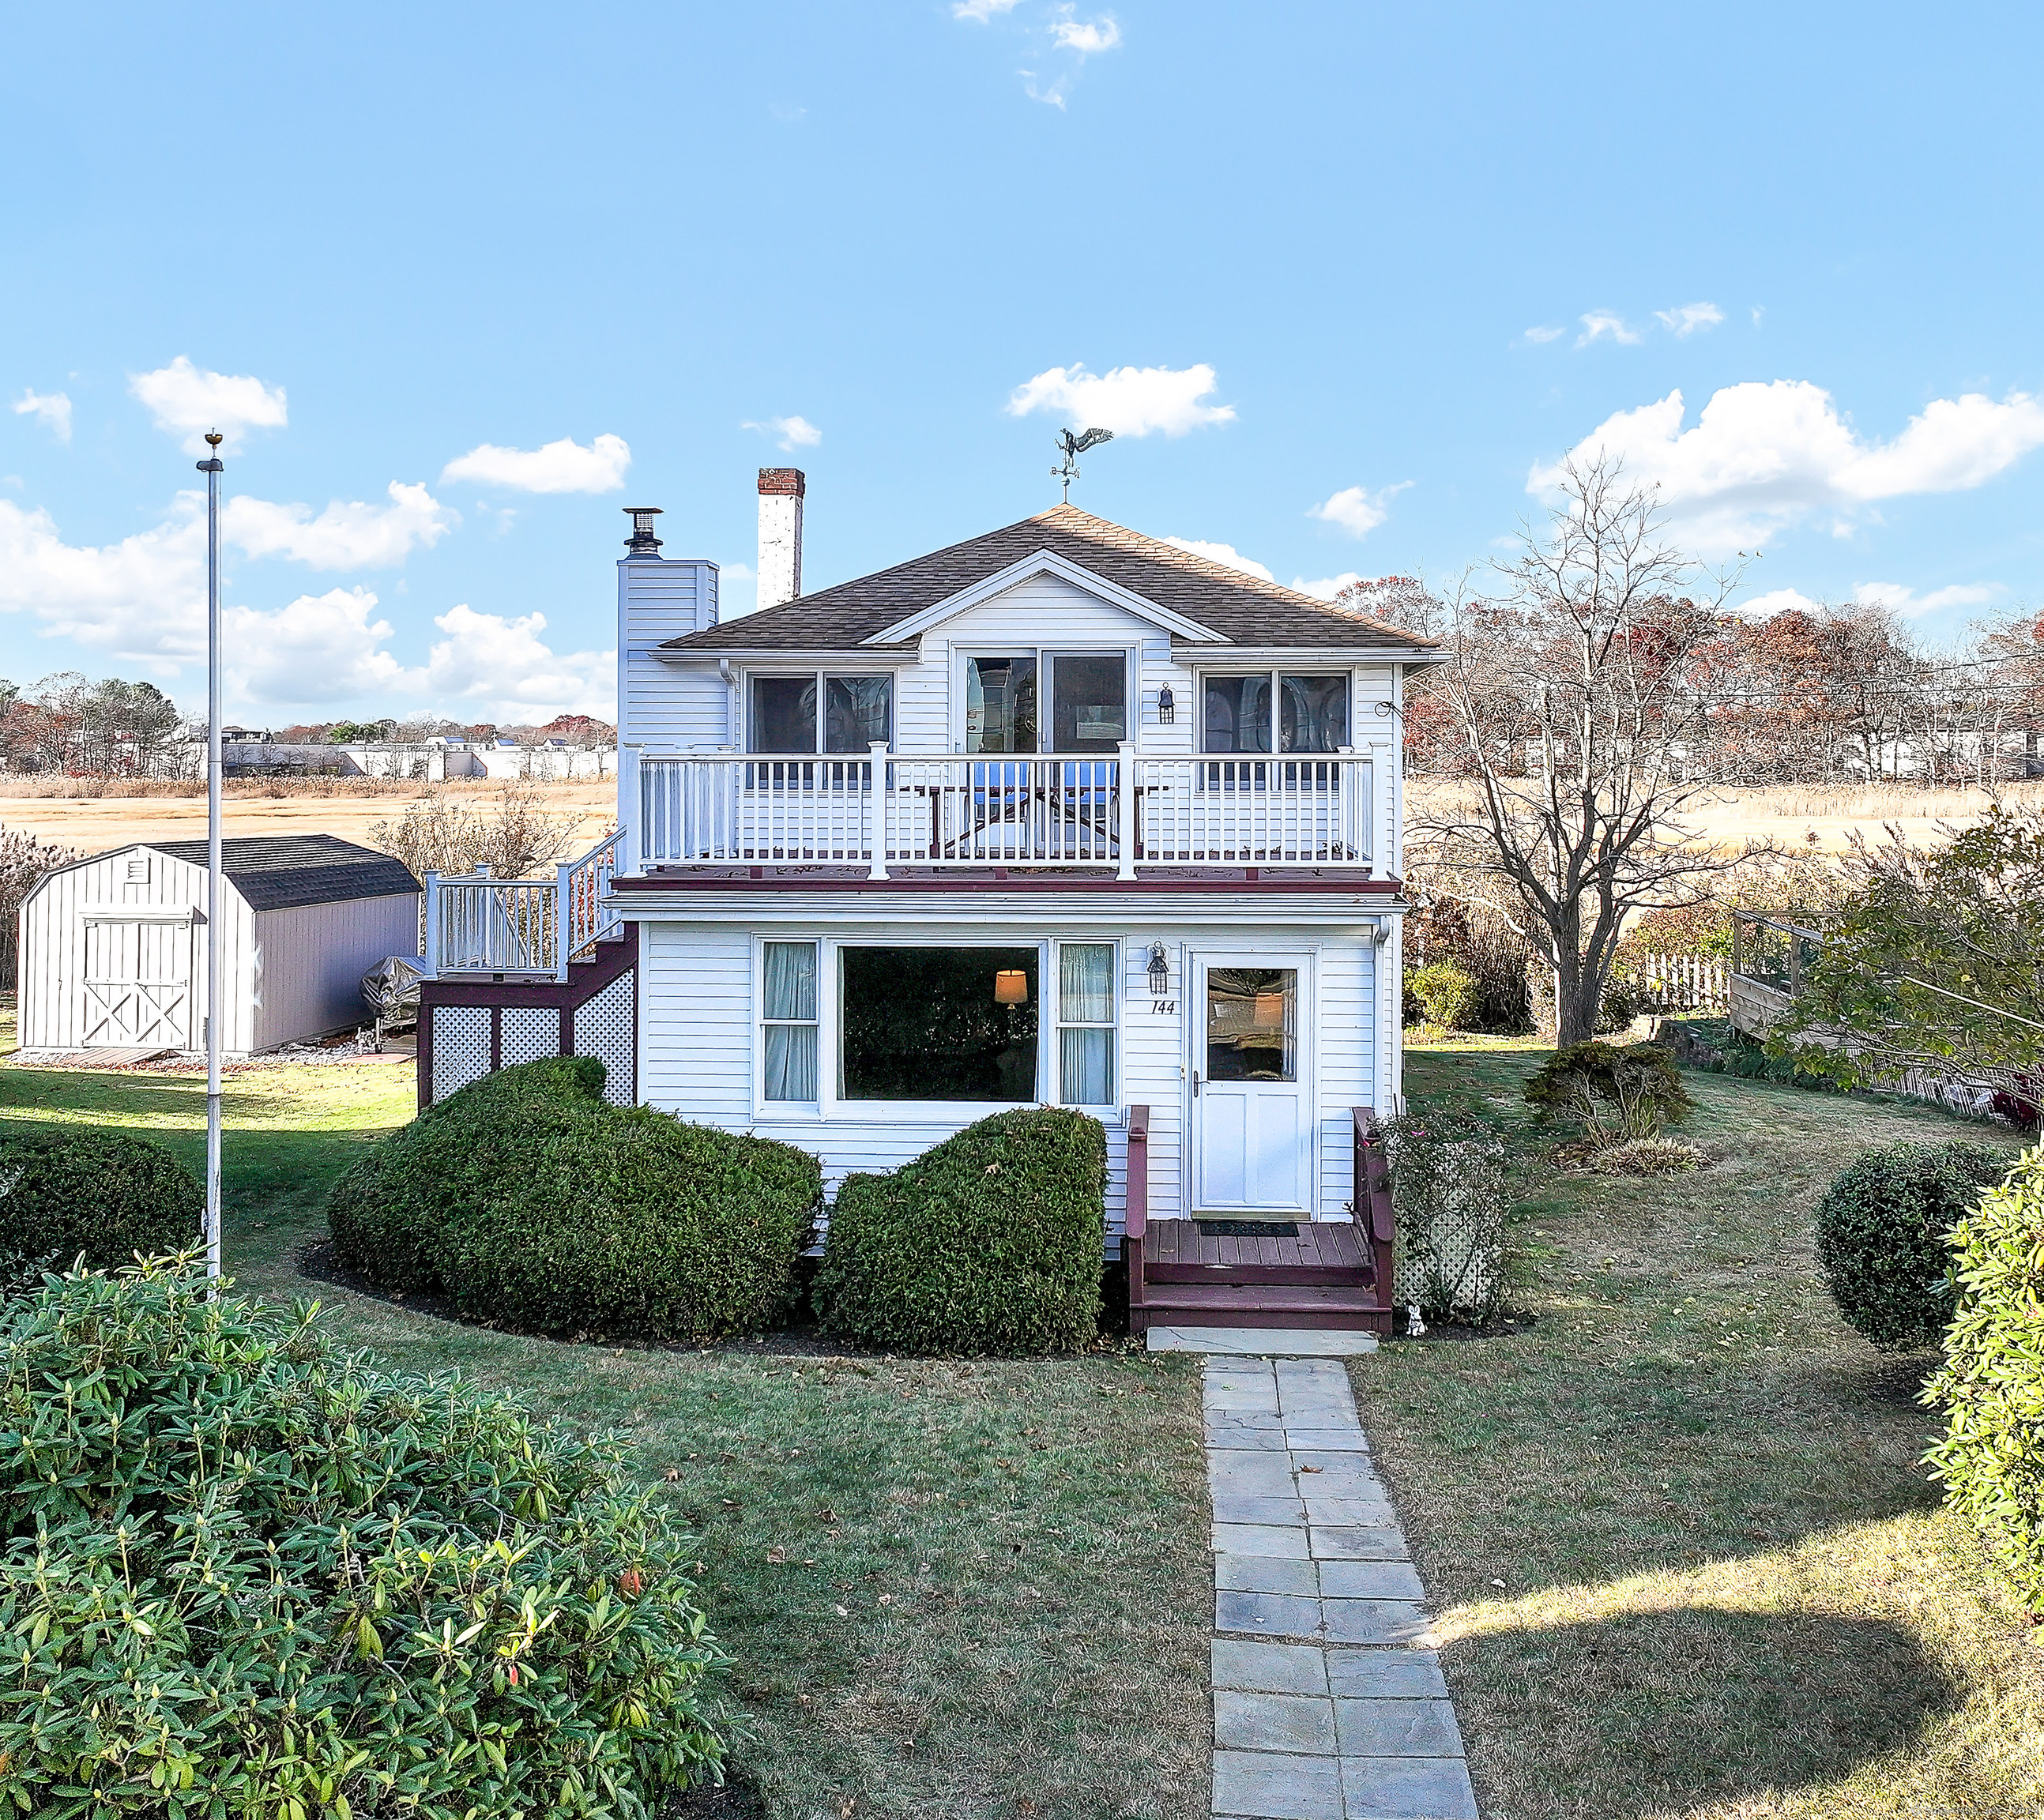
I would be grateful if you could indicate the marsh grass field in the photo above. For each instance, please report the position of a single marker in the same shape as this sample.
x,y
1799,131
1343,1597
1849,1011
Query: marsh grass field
x,y
1685,1561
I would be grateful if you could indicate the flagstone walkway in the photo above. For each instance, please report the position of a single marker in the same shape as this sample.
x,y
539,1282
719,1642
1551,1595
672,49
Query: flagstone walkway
x,y
1326,1706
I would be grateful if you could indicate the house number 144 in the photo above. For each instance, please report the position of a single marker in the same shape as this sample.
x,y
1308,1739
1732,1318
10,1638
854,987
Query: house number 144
x,y
1163,1008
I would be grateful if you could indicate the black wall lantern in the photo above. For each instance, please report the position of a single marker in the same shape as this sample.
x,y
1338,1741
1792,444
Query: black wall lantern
x,y
1160,971
1167,708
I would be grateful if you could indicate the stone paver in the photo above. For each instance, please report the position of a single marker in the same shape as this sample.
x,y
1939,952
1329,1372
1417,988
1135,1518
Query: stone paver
x,y
1327,1703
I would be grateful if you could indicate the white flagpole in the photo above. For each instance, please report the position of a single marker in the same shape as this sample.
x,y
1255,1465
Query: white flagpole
x,y
212,468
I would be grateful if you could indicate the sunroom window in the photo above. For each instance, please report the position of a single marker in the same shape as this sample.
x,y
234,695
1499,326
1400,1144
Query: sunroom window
x,y
1088,692
857,710
1085,1023
788,1020
1312,712
938,1024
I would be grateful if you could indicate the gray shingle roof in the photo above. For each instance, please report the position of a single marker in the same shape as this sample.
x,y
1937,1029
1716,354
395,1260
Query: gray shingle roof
x,y
1239,607
285,871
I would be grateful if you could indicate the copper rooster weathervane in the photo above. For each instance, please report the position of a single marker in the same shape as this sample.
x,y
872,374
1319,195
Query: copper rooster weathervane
x,y
1072,447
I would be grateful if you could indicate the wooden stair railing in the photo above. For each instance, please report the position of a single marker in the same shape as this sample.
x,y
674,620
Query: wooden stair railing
x,y
1374,1212
1135,1206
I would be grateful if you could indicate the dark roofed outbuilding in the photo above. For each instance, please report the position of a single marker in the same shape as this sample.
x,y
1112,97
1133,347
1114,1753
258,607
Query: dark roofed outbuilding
x,y
112,949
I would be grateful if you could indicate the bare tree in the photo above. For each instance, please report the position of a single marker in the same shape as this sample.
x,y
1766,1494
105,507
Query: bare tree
x,y
516,838
1581,697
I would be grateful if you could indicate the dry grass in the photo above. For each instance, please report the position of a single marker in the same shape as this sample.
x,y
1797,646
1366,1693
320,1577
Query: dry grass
x,y
39,787
1686,1561
344,806
1800,816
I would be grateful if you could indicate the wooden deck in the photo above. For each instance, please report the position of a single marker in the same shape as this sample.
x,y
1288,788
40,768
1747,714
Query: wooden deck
x,y
1328,1275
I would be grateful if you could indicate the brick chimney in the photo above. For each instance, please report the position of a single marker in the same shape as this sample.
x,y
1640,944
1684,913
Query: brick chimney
x,y
781,490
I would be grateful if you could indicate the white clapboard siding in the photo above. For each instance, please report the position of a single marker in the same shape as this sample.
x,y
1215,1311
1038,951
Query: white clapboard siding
x,y
697,1042
659,705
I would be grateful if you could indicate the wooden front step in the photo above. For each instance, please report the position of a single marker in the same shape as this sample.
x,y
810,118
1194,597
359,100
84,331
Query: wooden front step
x,y
1321,1254
1263,1305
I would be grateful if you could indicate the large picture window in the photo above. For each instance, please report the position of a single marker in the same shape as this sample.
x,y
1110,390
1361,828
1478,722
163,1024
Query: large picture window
x,y
857,711
1085,1023
788,1021
1087,691
1312,712
938,1024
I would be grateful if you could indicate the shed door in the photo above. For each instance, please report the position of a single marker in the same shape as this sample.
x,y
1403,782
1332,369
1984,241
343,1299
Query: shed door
x,y
138,984
1252,1121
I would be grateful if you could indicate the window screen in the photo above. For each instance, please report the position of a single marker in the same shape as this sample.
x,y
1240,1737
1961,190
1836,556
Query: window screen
x,y
1089,701
784,714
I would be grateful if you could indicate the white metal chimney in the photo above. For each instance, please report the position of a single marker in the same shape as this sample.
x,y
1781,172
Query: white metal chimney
x,y
781,490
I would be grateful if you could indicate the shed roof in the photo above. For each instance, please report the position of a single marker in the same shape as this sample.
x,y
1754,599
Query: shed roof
x,y
1240,608
285,871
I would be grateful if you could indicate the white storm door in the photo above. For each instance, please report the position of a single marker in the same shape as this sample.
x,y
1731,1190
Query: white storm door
x,y
1252,1117
137,985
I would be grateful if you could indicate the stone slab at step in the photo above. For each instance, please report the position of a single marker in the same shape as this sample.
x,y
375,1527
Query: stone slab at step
x,y
1263,1343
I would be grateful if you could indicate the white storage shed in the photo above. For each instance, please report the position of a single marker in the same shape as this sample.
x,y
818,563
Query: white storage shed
x,y
112,949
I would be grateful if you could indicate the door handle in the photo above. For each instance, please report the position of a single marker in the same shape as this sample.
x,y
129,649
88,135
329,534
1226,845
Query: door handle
x,y
1196,1084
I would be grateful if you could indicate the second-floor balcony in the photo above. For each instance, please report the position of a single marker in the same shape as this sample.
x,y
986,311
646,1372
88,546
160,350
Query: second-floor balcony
x,y
1125,813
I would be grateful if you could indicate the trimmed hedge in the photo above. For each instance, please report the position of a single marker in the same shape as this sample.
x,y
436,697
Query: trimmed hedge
x,y
991,1242
272,1579
1882,1230
1607,1075
528,1201
1992,1457
68,1192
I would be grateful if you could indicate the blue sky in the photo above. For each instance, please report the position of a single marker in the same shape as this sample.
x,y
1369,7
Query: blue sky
x,y
1359,272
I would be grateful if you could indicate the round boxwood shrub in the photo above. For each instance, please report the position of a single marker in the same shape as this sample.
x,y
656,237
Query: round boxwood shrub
x,y
1991,1384
1881,1232
271,1579
98,1195
1447,994
991,1242
529,1200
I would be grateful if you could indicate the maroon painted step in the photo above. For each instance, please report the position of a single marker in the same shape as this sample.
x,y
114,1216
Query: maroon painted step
x,y
1263,1305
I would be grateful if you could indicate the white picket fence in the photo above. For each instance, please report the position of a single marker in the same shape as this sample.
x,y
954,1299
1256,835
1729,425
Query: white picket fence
x,y
1681,982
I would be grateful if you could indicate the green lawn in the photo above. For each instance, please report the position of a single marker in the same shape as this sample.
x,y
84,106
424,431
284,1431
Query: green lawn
x,y
1686,1562
949,1589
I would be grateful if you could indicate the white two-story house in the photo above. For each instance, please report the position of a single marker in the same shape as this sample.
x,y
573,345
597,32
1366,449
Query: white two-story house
x,y
1061,815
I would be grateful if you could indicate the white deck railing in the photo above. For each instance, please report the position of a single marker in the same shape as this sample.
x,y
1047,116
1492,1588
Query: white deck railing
x,y
1128,811
476,923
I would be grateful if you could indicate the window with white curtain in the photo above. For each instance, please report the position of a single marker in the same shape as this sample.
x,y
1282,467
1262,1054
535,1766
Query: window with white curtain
x,y
1085,1022
788,1021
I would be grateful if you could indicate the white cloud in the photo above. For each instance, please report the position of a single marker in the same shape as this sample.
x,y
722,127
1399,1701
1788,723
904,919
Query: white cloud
x,y
1130,401
142,599
348,535
1777,601
1900,599
1051,94
1086,37
791,432
1600,325
1544,332
980,11
564,466
1327,586
1224,554
504,666
53,408
1761,456
320,650
1356,510
189,400
1686,319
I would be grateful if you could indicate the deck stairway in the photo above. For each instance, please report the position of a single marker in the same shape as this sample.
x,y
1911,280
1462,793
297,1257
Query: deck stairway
x,y
1328,1275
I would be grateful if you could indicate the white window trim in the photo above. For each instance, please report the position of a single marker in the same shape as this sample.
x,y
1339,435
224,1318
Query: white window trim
x,y
1117,993
764,1110
1273,672
1131,658
773,672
